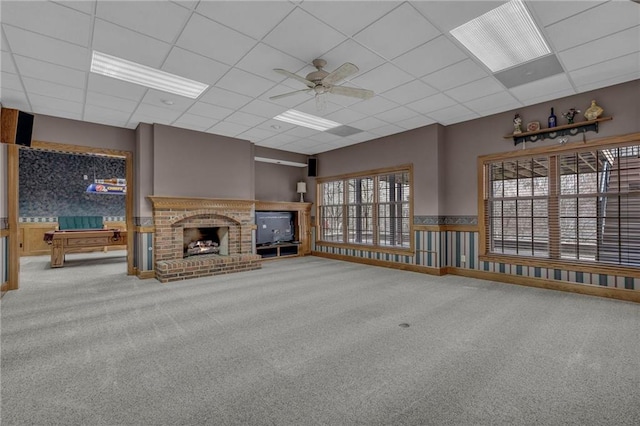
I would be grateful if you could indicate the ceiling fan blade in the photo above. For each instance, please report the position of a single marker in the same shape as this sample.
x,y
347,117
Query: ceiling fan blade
x,y
344,71
352,92
295,76
288,94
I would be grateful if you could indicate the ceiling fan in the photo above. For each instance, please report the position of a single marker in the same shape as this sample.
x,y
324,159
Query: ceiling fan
x,y
321,81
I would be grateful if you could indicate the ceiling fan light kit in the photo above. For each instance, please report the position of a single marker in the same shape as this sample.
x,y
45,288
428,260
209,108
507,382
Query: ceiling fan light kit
x,y
322,82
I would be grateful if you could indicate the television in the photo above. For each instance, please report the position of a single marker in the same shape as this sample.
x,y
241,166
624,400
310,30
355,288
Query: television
x,y
274,227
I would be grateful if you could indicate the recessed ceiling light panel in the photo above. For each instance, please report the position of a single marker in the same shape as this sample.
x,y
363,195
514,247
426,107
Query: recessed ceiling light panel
x,y
143,75
503,37
306,120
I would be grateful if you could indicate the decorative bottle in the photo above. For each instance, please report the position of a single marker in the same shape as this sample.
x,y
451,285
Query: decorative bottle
x,y
552,119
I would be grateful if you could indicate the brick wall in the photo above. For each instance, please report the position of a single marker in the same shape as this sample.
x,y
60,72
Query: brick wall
x,y
172,215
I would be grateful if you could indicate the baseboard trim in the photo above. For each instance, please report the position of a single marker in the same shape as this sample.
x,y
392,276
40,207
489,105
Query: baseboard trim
x,y
586,289
383,263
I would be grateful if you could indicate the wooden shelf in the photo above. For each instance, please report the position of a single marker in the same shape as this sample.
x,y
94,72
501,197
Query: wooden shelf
x,y
554,132
278,250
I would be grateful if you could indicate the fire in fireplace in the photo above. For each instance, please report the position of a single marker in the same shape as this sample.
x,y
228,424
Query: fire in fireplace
x,y
212,240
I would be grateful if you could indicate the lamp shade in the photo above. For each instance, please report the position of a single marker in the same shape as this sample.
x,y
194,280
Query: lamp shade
x,y
302,188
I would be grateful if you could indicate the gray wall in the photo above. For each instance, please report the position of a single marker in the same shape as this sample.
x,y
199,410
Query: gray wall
x,y
143,171
195,164
445,158
73,132
466,141
420,147
275,182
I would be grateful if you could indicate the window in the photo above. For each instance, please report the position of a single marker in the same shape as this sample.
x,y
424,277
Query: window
x,y
567,205
372,209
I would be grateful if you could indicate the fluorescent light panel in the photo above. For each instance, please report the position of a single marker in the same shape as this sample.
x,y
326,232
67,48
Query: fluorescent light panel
x,y
306,120
503,37
132,72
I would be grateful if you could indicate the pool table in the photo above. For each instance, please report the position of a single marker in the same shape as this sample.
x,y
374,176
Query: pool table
x,y
67,241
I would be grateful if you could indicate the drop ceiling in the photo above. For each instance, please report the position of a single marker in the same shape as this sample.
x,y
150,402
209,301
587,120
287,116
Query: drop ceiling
x,y
419,73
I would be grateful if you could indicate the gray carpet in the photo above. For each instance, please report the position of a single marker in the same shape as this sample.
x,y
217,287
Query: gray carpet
x,y
310,341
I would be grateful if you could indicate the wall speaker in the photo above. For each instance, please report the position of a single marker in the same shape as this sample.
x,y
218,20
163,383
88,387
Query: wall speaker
x,y
24,129
312,167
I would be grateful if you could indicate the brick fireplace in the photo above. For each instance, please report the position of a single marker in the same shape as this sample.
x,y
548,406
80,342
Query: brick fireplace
x,y
172,215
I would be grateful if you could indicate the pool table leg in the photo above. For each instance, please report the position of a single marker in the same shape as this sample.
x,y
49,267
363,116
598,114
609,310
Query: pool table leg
x,y
57,254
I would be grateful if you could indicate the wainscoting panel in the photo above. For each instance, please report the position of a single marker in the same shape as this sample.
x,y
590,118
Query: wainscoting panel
x,y
456,251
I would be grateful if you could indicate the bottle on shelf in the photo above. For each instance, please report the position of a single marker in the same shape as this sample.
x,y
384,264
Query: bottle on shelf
x,y
553,120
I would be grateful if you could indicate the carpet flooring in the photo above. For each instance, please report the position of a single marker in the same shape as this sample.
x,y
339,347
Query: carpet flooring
x,y
310,341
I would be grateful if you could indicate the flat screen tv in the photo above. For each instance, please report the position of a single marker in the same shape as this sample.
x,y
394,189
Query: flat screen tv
x,y
274,227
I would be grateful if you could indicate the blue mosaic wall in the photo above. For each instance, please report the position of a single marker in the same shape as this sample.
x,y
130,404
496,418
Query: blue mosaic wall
x,y
52,184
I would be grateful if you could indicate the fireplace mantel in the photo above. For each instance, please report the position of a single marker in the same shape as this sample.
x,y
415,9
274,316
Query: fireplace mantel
x,y
185,203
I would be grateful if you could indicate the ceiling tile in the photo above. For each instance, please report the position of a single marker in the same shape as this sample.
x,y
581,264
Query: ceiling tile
x,y
350,51
387,130
453,114
196,67
429,57
345,116
111,86
263,18
606,48
561,9
629,64
44,18
278,140
397,32
415,122
195,122
367,124
57,112
159,19
263,59
374,105
126,44
455,75
303,36
263,109
15,99
276,126
166,115
46,49
349,17
256,134
383,78
409,92
432,103
218,96
50,72
543,87
607,82
86,6
167,100
360,137
45,103
301,132
53,90
310,107
449,15
97,114
244,83
11,81
299,96
594,23
240,117
106,101
492,104
223,44
476,89
396,114
209,110
323,137
7,62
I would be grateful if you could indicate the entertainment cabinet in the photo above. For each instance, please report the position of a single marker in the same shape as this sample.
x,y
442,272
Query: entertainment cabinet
x,y
301,225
